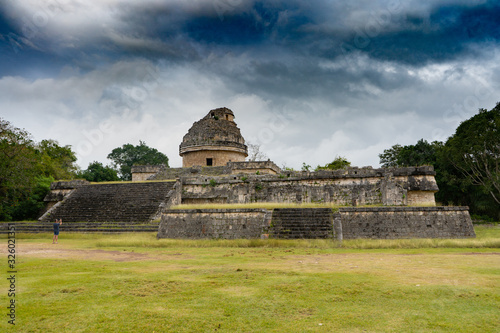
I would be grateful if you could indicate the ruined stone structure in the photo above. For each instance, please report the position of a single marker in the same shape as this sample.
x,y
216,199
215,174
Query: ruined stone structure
x,y
346,223
160,172
352,186
214,140
213,154
215,223
406,222
214,171
144,172
79,201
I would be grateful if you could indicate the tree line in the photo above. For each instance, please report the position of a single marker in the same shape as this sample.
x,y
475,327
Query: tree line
x,y
27,168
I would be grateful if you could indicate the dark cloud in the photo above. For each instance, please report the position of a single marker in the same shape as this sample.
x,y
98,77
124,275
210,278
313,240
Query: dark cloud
x,y
446,35
179,32
350,75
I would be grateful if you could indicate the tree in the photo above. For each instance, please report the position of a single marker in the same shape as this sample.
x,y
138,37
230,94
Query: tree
x,y
254,153
97,172
338,163
474,150
421,153
17,172
55,160
27,169
32,204
389,158
128,155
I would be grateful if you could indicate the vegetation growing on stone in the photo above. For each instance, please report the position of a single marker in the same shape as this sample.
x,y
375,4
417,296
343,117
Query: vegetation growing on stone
x,y
339,162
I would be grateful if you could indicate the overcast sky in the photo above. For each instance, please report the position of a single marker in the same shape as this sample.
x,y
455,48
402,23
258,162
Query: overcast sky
x,y
307,80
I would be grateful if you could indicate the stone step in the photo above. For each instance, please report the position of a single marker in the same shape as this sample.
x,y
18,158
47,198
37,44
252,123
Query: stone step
x,y
297,223
102,229
107,227
88,231
113,202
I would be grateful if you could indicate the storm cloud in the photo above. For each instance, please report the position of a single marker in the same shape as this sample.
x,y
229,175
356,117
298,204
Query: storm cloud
x,y
306,80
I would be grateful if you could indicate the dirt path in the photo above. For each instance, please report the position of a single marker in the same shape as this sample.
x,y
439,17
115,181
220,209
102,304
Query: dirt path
x,y
59,252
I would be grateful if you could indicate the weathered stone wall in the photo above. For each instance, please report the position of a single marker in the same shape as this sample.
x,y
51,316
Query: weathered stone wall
x,y
247,189
214,223
174,173
406,222
424,198
220,156
254,167
344,187
348,223
164,173
143,172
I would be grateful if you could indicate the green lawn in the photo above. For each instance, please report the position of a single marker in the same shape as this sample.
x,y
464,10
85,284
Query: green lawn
x,y
135,283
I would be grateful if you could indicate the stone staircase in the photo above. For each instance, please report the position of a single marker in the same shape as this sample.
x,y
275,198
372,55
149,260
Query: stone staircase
x,y
293,223
118,202
85,227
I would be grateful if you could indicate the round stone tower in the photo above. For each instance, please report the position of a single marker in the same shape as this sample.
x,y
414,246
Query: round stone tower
x,y
213,141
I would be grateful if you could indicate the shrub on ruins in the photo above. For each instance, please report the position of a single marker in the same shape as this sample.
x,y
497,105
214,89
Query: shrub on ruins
x,y
97,172
339,162
128,155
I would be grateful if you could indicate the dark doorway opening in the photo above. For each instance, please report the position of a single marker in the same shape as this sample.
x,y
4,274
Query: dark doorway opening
x,y
210,162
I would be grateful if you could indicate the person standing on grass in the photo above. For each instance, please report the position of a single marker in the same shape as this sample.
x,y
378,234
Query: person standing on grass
x,y
57,223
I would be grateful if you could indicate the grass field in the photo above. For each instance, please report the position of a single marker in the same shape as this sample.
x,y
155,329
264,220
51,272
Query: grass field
x,y
135,283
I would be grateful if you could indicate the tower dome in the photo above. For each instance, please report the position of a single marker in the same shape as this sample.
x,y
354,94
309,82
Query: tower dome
x,y
213,141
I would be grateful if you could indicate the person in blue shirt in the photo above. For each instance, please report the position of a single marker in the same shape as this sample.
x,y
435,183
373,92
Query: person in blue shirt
x,y
57,223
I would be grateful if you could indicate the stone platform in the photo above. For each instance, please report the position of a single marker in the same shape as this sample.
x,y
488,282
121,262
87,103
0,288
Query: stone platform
x,y
309,223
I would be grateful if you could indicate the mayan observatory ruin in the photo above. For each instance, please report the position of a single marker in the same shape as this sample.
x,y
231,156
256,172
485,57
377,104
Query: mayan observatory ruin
x,y
353,202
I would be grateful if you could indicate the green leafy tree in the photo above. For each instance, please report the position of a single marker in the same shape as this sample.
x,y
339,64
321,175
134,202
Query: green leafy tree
x,y
338,163
56,161
422,153
17,174
26,171
128,155
32,205
97,172
474,150
390,157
